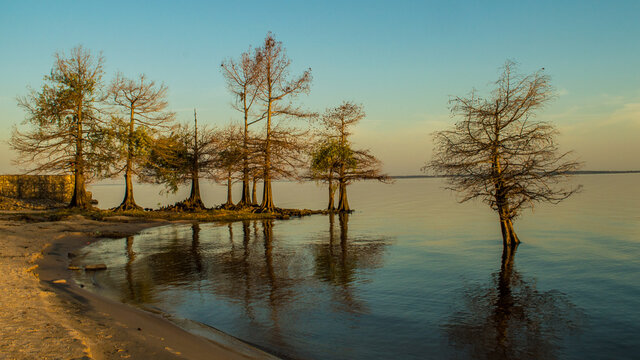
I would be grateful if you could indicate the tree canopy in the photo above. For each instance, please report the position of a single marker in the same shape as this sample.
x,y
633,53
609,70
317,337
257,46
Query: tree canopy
x,y
67,130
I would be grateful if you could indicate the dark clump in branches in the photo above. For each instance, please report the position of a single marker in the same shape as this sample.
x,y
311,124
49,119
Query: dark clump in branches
x,y
499,153
67,131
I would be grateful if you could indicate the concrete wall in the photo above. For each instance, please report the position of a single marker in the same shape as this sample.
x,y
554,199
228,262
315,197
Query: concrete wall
x,y
54,187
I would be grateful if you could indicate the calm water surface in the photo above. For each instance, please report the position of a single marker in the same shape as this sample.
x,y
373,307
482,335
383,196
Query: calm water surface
x,y
411,274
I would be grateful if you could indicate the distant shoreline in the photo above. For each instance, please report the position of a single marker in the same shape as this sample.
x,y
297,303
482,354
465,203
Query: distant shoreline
x,y
580,172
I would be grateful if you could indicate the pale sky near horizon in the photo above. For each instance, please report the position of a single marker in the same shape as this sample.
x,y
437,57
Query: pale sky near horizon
x,y
401,59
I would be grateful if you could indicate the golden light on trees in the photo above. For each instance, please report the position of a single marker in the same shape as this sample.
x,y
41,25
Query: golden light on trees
x,y
67,132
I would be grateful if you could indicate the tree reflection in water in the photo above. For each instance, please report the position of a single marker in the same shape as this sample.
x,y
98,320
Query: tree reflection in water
x,y
339,264
274,280
512,319
180,263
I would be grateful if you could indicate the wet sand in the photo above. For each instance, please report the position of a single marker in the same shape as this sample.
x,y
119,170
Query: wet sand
x,y
45,315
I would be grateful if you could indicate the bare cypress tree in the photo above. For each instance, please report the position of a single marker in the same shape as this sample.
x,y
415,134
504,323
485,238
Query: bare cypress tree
x,y
244,81
277,87
143,107
67,133
348,164
500,153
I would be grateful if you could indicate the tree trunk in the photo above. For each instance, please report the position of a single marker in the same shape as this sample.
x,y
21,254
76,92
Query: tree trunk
x,y
343,203
128,203
332,191
229,202
254,192
195,201
267,197
509,237
79,198
245,199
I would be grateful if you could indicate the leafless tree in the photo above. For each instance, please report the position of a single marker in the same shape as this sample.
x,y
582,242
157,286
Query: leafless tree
x,y
142,108
350,165
67,132
244,80
499,153
276,88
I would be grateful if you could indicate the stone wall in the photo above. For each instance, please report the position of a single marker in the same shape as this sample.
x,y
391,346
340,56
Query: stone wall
x,y
51,187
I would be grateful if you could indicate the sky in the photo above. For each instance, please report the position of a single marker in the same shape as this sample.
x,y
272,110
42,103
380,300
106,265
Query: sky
x,y
402,60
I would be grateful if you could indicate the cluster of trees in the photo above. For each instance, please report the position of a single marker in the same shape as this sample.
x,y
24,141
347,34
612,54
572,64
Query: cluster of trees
x,y
497,151
79,125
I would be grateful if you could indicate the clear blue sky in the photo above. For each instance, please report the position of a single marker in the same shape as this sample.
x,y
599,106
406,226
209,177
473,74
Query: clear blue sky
x,y
400,59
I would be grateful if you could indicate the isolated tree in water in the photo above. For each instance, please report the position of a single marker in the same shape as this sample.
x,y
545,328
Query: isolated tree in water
x,y
276,88
352,165
67,132
184,155
244,81
142,106
499,153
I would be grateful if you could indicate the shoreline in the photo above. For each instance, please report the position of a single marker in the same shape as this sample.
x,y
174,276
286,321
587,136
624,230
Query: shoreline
x,y
66,321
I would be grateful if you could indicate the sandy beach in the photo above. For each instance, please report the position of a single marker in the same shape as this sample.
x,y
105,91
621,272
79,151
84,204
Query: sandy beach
x,y
45,315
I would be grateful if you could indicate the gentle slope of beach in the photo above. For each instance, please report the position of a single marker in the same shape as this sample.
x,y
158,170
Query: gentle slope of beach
x,y
47,316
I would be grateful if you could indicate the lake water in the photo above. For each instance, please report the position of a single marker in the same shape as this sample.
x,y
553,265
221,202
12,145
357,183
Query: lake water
x,y
411,274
